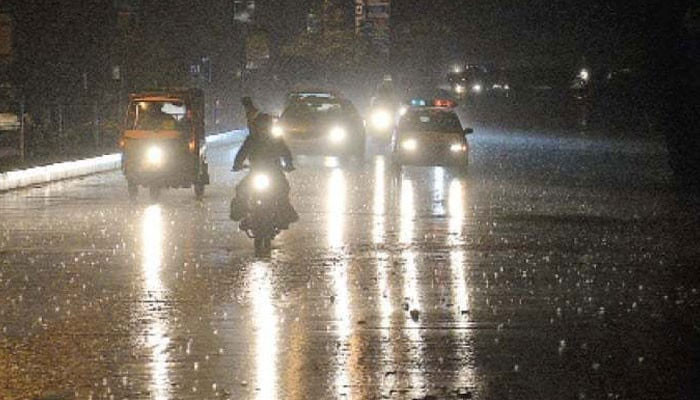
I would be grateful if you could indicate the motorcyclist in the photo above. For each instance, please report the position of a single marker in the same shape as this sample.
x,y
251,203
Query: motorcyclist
x,y
263,152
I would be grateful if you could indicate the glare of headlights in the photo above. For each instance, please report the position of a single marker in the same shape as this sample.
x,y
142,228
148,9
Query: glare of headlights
x,y
584,75
457,147
409,144
154,155
381,119
337,134
459,89
403,110
277,131
477,88
261,182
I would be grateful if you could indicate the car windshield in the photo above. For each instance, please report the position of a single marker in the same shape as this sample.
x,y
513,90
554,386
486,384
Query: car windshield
x,y
431,121
157,115
312,108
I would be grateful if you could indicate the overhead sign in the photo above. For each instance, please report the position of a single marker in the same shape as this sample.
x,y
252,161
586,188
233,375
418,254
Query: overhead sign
x,y
377,14
359,15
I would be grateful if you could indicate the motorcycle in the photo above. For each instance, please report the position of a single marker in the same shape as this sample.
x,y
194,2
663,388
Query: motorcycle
x,y
264,217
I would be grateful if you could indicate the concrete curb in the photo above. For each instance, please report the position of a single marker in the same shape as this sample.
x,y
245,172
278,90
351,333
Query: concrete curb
x,y
73,169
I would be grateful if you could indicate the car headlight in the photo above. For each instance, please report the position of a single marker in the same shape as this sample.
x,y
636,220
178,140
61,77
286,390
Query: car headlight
x,y
277,131
477,88
337,134
403,110
409,144
457,148
261,182
381,119
154,155
459,89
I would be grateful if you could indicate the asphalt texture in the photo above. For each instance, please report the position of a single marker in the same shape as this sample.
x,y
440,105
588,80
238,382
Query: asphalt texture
x,y
559,267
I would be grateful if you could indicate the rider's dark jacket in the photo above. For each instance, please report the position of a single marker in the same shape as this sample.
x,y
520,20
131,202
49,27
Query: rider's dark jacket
x,y
263,151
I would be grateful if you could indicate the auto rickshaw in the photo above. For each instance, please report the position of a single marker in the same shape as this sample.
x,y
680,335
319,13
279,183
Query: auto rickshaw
x,y
163,143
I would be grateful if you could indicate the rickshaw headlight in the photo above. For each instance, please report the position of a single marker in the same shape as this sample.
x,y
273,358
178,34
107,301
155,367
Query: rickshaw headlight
x,y
154,155
261,182
457,147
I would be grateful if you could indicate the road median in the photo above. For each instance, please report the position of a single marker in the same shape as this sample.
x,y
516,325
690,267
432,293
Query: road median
x,y
76,168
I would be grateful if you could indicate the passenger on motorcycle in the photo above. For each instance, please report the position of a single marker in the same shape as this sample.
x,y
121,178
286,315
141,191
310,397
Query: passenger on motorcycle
x,y
264,152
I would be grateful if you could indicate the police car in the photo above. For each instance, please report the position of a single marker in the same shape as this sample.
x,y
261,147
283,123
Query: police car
x,y
430,134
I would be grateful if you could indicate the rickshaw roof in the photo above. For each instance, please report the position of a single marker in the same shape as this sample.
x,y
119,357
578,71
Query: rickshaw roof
x,y
165,94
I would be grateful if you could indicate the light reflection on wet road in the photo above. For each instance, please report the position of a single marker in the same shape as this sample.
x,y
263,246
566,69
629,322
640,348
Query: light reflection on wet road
x,y
537,275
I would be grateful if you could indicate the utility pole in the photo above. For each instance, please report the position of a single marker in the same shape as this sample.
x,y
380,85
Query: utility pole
x,y
22,151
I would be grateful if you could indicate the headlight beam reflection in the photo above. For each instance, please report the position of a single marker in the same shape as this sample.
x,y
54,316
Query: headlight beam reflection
x,y
379,202
265,320
459,288
152,238
407,212
336,202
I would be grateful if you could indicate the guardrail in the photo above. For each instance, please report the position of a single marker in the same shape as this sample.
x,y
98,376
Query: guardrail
x,y
73,169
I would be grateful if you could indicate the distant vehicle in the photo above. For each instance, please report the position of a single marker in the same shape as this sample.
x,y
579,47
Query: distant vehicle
x,y
163,142
431,136
471,80
322,123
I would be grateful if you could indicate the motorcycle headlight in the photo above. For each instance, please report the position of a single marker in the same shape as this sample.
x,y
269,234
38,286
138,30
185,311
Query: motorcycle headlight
x,y
337,134
381,119
457,147
261,182
409,144
154,155
277,131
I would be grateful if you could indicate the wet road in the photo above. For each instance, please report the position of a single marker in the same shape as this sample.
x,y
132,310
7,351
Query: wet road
x,y
560,267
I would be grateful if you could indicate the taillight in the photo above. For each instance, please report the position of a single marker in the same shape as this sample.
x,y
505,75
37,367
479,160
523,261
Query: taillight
x,y
444,103
192,145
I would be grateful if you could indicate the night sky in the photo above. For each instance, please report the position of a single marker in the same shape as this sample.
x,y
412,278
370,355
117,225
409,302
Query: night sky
x,y
58,37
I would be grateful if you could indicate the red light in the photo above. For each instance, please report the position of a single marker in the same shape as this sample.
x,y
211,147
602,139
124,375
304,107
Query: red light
x,y
444,103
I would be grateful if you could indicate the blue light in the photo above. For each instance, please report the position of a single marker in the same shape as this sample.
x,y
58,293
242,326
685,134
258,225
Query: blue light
x,y
418,103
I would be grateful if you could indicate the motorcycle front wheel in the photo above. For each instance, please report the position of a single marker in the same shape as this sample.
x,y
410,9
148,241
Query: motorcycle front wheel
x,y
263,246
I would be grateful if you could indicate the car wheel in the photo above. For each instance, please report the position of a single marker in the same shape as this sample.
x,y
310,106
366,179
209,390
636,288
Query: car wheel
x,y
360,152
199,190
396,164
133,189
460,169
